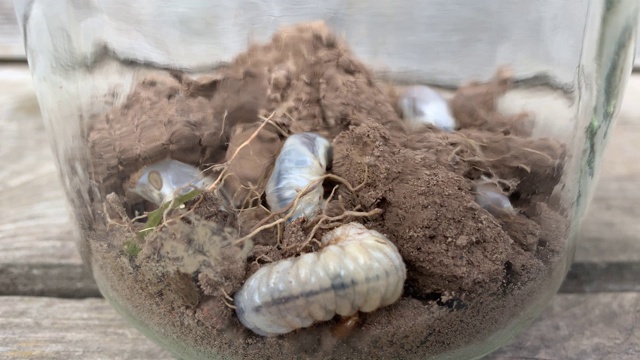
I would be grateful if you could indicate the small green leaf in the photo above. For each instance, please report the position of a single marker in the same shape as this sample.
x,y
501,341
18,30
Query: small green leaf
x,y
131,248
155,217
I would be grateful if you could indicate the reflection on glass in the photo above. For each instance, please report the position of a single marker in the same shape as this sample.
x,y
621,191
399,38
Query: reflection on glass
x,y
340,180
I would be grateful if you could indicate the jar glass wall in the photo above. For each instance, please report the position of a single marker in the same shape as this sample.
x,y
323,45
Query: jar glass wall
x,y
342,179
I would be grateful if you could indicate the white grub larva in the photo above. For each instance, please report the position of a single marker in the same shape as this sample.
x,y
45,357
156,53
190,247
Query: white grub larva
x,y
357,270
160,182
422,105
491,198
303,159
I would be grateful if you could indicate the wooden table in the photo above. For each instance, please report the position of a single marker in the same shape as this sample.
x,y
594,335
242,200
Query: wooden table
x,y
50,308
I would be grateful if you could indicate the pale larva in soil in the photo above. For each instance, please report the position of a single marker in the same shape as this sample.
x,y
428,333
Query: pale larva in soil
x,y
303,159
492,199
356,270
423,105
160,182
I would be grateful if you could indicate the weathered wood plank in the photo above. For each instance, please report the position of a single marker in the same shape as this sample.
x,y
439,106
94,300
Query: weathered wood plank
x,y
11,46
574,326
34,226
50,328
581,327
72,281
611,228
592,277
53,280
37,252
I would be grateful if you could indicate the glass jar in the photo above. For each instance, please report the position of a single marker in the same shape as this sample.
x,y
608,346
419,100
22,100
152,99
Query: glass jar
x,y
341,179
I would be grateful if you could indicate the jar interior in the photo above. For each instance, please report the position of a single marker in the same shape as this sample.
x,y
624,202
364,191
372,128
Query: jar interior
x,y
210,195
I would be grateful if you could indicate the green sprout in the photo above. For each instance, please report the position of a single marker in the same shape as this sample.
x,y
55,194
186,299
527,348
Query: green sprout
x,y
155,217
131,248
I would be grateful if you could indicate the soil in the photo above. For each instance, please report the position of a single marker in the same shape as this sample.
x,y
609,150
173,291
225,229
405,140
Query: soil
x,y
469,273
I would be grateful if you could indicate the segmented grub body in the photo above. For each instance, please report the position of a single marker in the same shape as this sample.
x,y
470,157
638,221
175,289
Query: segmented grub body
x,y
303,159
357,270
160,182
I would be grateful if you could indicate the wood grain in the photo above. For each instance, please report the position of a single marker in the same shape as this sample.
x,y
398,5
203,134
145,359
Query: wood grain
x,y
34,226
38,256
11,47
35,229
581,327
51,328
611,230
37,249
574,327
592,277
54,280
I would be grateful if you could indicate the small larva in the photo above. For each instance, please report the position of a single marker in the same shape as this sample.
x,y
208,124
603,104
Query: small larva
x,y
303,159
160,182
422,105
492,199
357,270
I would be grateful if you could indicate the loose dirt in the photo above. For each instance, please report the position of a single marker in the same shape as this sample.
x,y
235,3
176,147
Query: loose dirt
x,y
470,273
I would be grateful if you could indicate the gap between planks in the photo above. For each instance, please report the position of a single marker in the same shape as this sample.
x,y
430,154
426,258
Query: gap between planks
x,y
73,281
573,327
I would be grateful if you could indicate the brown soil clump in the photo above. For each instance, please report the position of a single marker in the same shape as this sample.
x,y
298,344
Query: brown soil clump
x,y
469,273
447,241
